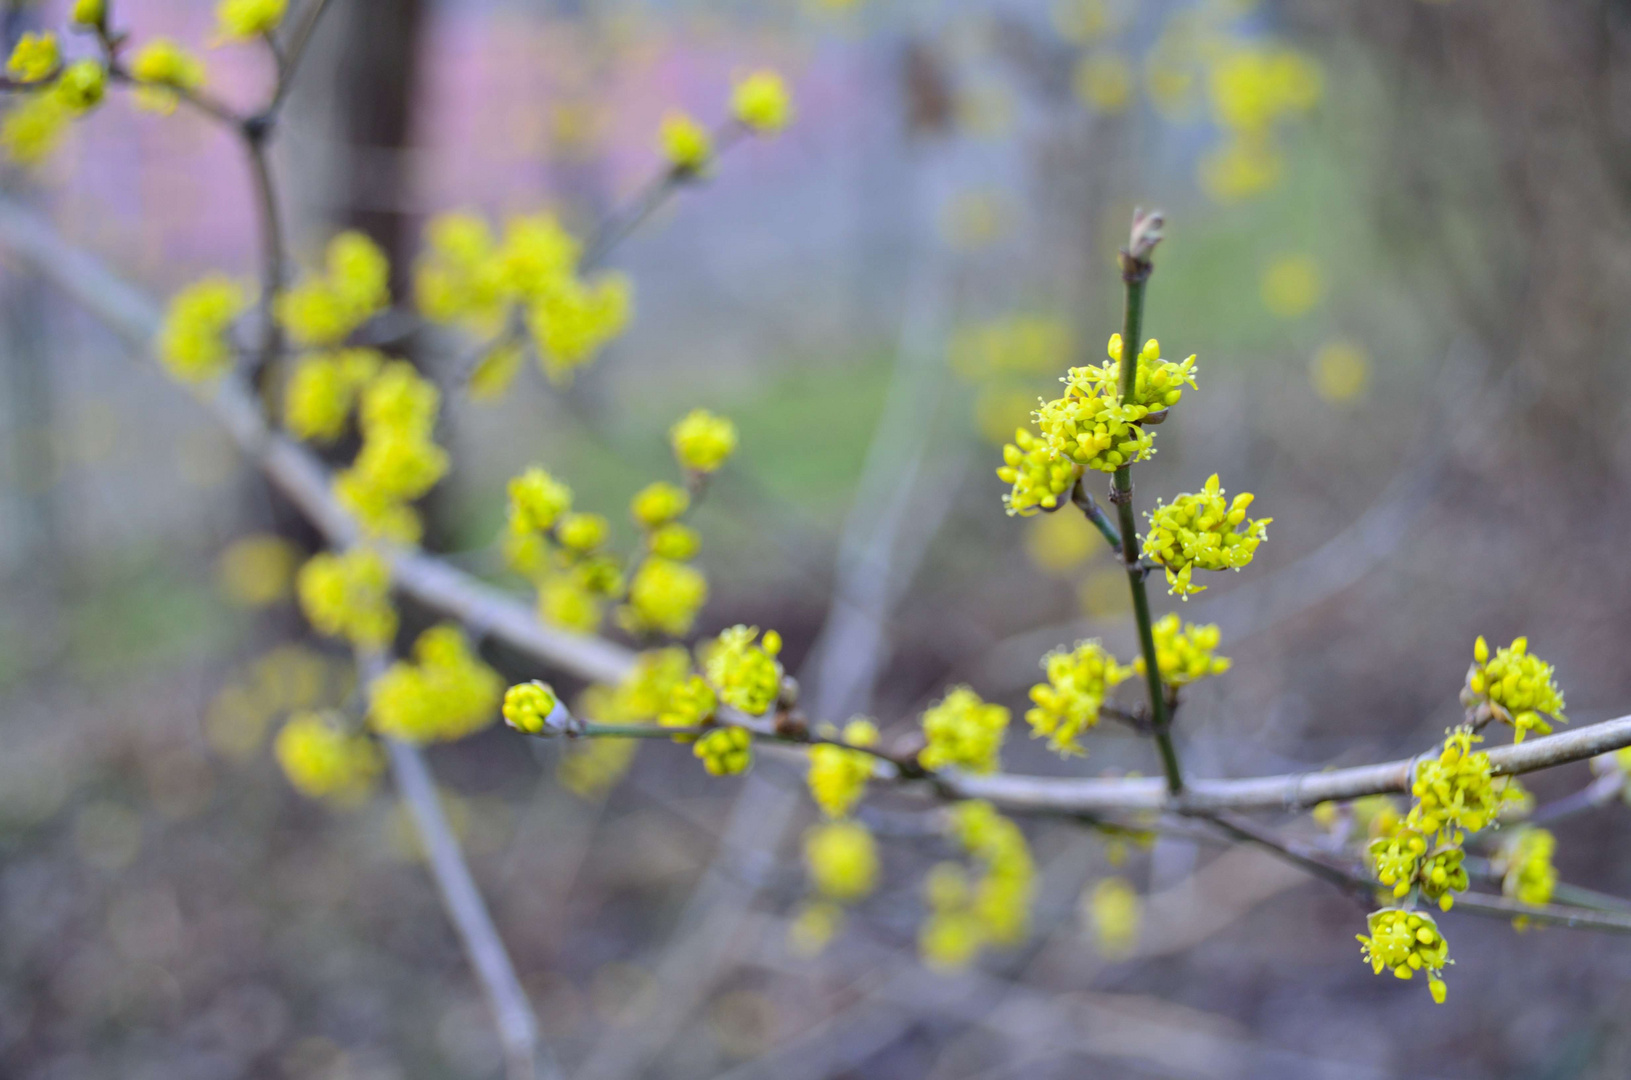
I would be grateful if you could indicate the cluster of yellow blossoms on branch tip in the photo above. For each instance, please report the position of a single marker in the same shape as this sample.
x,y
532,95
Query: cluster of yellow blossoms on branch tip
x,y
560,550
1091,427
838,775
1069,702
1201,531
1517,688
528,706
1405,942
994,908
1185,652
963,731
242,20
399,460
444,693
1454,793
469,277
743,669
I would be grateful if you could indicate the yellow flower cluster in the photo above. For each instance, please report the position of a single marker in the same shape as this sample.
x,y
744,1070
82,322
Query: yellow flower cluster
x,y
1115,913
745,674
658,504
1401,857
240,20
664,596
1520,688
702,441
1405,942
89,13
446,693
349,596
399,461
161,68
995,909
1184,654
838,776
527,706
1251,89
1205,532
1068,703
468,277
1090,427
193,344
685,144
32,128
1158,385
665,593
34,58
690,704
324,308
761,103
323,390
1530,875
1455,790
963,731
842,860
725,751
322,761
1037,474
559,551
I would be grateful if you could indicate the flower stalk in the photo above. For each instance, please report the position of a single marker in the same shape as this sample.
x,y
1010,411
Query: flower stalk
x,y
1135,274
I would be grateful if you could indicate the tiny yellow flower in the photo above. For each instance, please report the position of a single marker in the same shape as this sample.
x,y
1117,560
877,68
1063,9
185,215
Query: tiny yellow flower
x,y
324,388
193,344
1040,475
34,58
1405,942
702,441
676,542
665,596
89,13
1068,703
685,143
657,504
838,776
963,731
1455,790
348,595
573,320
537,501
842,860
81,86
1519,688
1202,531
1114,911
527,706
725,751
322,761
324,308
746,675
563,601
1185,654
240,20
445,693
761,103
581,532
162,67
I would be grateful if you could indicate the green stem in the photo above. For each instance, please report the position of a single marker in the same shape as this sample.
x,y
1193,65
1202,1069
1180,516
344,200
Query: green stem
x,y
1135,272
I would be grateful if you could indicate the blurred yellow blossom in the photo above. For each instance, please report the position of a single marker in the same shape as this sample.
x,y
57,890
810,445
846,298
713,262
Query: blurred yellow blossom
x,y
837,775
1292,286
702,441
348,595
963,731
444,693
1113,911
240,20
161,68
761,102
193,345
257,570
34,58
842,860
1104,82
322,761
1340,372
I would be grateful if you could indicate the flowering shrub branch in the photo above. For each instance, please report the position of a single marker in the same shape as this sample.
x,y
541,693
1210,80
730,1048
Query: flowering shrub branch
x,y
526,289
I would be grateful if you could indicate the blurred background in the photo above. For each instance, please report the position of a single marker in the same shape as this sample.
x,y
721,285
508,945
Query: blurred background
x,y
1400,244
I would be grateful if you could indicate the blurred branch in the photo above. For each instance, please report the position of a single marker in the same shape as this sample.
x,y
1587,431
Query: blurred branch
x,y
517,1029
